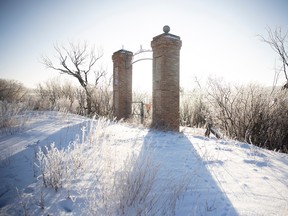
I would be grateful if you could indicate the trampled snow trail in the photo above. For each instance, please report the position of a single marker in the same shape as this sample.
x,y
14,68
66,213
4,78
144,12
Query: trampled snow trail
x,y
41,127
219,177
17,151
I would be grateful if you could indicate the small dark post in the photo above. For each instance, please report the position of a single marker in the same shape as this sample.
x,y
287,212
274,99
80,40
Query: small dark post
x,y
142,112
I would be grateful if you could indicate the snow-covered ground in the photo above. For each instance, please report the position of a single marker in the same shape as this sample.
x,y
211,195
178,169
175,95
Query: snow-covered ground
x,y
123,169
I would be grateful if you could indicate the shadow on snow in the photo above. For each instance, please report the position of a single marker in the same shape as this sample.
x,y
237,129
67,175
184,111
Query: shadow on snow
x,y
174,152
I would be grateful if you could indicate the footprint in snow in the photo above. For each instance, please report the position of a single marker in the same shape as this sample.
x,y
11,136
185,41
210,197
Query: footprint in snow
x,y
28,190
66,204
34,144
257,163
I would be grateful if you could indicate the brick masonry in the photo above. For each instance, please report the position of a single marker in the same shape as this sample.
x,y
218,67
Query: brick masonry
x,y
166,56
122,83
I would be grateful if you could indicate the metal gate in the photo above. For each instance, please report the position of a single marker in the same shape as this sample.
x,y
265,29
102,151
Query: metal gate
x,y
138,110
141,109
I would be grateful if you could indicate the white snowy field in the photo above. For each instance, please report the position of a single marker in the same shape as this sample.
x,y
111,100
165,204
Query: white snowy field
x,y
107,168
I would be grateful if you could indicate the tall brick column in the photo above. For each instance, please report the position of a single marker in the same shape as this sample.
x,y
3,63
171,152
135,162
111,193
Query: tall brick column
x,y
166,56
122,83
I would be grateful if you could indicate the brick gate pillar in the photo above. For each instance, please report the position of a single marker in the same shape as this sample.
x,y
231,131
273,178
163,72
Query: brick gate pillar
x,y
166,56
122,83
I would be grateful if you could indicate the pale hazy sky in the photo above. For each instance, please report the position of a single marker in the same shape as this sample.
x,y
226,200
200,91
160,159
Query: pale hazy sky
x,y
219,37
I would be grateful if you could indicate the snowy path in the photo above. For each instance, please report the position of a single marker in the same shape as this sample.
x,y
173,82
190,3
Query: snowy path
x,y
225,177
17,150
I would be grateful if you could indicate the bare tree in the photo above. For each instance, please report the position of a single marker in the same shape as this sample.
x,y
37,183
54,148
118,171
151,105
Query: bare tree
x,y
278,41
78,60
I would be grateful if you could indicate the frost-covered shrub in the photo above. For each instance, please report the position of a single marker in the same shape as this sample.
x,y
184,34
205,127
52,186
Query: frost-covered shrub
x,y
12,119
12,105
134,185
59,167
56,95
52,164
192,109
12,91
250,113
133,189
64,96
124,188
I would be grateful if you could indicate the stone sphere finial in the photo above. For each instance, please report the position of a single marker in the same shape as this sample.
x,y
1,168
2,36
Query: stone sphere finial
x,y
166,29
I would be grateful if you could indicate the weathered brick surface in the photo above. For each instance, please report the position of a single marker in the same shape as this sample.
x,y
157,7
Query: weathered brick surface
x,y
122,83
166,56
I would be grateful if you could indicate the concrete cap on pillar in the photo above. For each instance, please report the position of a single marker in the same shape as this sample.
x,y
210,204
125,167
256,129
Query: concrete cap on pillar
x,y
166,34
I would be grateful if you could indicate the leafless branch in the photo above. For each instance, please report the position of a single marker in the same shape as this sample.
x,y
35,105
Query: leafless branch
x,y
278,42
76,60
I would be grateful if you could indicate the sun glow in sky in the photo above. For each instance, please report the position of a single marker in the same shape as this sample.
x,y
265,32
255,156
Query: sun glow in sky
x,y
219,38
